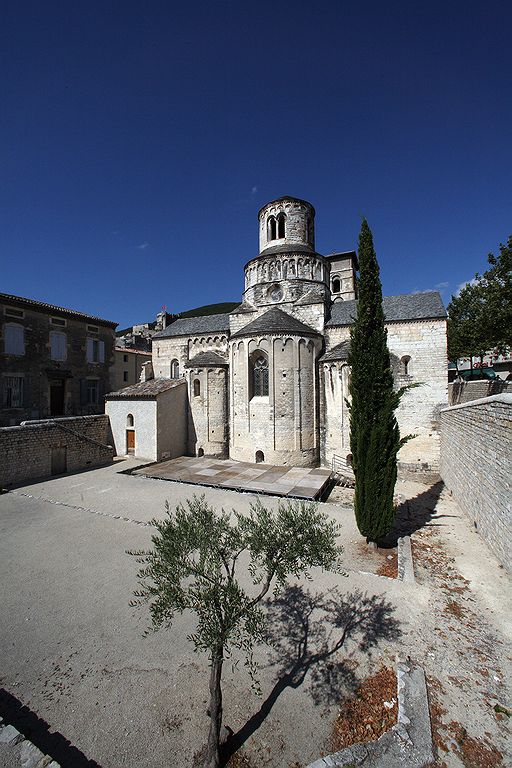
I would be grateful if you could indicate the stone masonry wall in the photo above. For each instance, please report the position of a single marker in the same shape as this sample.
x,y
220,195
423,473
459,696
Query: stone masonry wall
x,y
465,391
476,465
424,343
37,449
38,370
208,415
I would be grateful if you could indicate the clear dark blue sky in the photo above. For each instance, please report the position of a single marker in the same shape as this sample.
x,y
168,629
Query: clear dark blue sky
x,y
139,139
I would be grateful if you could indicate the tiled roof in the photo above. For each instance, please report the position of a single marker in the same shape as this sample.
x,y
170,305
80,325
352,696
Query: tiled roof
x,y
408,306
193,326
276,321
340,352
20,301
205,359
145,390
131,351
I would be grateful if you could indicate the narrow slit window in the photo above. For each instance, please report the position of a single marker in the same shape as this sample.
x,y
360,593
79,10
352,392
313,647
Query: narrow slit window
x,y
281,219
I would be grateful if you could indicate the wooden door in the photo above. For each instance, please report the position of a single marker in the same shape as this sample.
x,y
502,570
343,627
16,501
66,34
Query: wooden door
x,y
130,441
59,461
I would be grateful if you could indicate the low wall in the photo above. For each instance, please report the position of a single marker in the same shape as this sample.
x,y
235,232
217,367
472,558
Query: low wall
x,y
476,465
465,391
37,449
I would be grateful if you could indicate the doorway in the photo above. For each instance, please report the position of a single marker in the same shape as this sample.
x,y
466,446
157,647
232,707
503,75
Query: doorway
x,y
59,460
130,441
57,398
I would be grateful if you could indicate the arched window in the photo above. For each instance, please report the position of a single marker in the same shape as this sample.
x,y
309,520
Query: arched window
x,y
200,452
281,225
259,374
271,228
175,369
197,388
129,420
404,365
260,457
336,285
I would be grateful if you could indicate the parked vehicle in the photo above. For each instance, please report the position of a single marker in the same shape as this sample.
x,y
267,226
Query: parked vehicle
x,y
478,374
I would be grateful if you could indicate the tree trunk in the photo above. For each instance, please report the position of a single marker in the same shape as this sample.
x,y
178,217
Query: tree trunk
x,y
212,753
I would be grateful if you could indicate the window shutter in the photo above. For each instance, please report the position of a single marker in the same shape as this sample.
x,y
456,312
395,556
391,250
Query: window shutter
x,y
90,350
63,347
14,340
101,351
101,392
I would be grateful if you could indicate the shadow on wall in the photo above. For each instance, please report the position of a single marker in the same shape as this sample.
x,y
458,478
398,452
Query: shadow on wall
x,y
37,730
192,434
306,634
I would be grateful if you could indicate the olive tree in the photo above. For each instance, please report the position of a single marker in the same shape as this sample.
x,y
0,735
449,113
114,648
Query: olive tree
x,y
220,566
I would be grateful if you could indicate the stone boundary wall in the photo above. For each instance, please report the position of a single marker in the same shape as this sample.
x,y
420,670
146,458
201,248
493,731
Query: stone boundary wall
x,y
466,391
476,465
37,449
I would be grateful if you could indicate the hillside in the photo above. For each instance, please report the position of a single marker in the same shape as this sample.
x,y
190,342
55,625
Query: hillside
x,y
211,309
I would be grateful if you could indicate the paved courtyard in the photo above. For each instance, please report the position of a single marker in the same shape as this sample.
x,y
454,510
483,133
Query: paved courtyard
x,y
74,655
296,482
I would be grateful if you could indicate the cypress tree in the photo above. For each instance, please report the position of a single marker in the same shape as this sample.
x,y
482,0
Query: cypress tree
x,y
374,434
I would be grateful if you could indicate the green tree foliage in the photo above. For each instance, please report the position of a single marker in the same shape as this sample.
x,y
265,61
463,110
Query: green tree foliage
x,y
480,316
374,434
194,564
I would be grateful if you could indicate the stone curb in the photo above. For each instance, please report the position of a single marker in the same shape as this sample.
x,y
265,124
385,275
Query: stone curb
x,y
30,756
408,743
405,561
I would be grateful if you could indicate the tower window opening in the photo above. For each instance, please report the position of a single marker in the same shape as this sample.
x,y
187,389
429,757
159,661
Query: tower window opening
x,y
175,369
281,219
197,388
406,359
336,285
129,420
259,375
271,228
260,457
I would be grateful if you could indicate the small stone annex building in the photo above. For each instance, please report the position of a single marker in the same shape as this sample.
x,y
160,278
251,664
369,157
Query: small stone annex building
x,y
268,382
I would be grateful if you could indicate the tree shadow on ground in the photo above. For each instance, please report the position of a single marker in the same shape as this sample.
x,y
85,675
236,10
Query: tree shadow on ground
x,y
307,633
413,514
37,730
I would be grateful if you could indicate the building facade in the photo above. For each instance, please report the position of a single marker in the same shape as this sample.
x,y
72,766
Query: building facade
x,y
268,382
128,365
53,361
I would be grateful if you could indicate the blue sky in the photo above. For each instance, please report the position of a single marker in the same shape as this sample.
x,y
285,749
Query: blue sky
x,y
138,141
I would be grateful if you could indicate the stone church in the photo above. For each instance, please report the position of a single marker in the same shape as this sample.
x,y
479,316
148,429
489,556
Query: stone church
x,y
268,382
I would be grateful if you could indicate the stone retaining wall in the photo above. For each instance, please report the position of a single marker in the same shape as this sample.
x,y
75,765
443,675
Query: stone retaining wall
x,y
476,465
465,391
37,449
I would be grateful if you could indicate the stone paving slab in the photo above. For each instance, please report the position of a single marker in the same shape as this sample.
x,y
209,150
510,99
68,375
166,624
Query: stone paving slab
x,y
296,482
